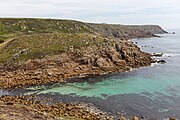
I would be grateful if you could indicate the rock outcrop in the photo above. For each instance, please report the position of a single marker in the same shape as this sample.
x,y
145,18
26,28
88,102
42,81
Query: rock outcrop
x,y
111,55
41,51
128,32
45,50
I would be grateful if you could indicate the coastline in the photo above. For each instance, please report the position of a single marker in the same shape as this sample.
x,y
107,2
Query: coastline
x,y
68,115
36,109
103,59
106,53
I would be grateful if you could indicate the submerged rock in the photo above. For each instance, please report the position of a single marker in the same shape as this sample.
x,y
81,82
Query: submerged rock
x,y
157,54
161,61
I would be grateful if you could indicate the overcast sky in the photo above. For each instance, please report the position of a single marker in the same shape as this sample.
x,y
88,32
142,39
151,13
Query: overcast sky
x,y
163,12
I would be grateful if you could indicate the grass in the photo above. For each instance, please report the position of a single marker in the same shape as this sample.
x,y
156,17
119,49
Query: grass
x,y
39,45
29,26
41,37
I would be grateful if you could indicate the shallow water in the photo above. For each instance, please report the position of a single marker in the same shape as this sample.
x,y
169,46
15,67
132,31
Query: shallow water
x,y
153,91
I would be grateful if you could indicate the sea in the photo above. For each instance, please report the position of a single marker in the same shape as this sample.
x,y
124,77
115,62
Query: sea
x,y
150,92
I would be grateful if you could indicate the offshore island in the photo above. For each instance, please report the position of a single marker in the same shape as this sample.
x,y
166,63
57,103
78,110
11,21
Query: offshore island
x,y
44,51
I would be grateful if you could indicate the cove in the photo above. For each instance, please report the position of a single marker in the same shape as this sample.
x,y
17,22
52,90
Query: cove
x,y
152,91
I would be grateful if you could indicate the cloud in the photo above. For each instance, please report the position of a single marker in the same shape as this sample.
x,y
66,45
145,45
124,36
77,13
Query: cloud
x,y
165,12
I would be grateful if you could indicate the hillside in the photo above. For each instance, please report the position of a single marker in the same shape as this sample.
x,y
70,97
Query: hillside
x,y
39,51
30,26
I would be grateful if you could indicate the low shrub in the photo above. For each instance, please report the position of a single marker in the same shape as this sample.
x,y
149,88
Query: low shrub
x,y
1,40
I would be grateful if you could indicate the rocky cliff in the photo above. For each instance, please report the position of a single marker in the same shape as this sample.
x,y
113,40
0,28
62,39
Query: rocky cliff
x,y
127,31
39,51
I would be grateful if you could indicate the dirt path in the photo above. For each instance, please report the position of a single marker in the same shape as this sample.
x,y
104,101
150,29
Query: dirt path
x,y
6,42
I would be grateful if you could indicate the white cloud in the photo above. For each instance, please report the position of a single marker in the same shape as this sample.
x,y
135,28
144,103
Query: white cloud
x,y
163,12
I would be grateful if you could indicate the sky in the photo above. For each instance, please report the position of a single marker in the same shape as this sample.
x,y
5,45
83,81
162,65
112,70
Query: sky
x,y
165,13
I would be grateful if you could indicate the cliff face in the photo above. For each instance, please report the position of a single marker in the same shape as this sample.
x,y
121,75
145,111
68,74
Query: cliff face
x,y
128,32
39,51
153,29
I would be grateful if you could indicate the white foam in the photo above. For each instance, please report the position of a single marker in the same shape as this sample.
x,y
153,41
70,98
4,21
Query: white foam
x,y
170,55
153,64
132,69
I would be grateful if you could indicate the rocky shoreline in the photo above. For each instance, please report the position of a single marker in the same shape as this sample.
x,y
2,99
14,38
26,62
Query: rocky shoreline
x,y
48,51
33,107
39,110
111,56
44,51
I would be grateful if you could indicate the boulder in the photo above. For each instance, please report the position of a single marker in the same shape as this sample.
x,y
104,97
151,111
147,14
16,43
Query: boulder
x,y
122,118
135,118
120,62
100,62
29,65
118,47
161,61
172,118
157,54
50,72
103,63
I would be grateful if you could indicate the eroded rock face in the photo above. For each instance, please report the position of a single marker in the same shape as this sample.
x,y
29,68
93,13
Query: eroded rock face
x,y
110,56
118,31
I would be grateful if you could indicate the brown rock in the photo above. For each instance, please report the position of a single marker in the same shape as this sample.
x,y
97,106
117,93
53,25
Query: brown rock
x,y
122,118
172,118
50,72
29,65
135,118
101,62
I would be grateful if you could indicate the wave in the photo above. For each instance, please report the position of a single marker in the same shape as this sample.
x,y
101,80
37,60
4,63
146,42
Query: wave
x,y
170,55
153,64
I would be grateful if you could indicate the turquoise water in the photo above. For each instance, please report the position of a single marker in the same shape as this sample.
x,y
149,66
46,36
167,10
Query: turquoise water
x,y
153,91
114,86
156,78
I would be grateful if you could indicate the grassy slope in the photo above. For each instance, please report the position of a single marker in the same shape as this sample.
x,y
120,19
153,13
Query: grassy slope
x,y
39,45
38,36
23,26
34,38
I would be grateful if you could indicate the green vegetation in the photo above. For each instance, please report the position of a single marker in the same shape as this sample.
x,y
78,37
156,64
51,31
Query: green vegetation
x,y
22,39
1,40
30,26
40,45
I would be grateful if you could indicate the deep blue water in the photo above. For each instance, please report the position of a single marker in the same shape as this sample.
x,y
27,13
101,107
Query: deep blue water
x,y
152,91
